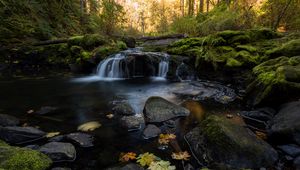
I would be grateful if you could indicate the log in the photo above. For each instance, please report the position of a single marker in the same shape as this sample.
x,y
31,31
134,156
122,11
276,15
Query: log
x,y
49,42
173,36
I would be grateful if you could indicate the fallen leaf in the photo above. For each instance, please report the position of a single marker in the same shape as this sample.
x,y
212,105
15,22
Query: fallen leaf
x,y
146,159
52,134
89,126
261,135
110,116
30,111
166,138
229,116
181,156
25,125
125,157
161,165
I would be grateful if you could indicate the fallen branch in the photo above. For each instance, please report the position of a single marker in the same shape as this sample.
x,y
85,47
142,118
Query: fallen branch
x,y
49,42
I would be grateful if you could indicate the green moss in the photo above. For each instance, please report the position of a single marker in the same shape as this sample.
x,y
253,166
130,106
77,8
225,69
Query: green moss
x,y
248,48
76,49
231,62
239,39
289,49
263,33
15,158
104,51
229,34
121,45
88,41
86,55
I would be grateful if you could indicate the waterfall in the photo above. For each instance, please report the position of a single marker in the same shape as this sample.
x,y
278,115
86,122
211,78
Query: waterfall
x,y
163,68
112,67
122,65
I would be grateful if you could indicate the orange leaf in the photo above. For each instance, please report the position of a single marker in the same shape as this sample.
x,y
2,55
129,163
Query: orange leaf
x,y
166,138
181,156
125,157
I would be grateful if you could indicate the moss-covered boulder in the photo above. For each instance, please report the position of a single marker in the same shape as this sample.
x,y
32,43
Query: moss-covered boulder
x,y
15,158
229,49
223,144
289,49
275,80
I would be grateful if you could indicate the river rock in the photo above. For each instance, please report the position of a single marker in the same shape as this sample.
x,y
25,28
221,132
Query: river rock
x,y
82,139
131,122
123,109
286,124
18,135
158,109
8,120
291,149
221,143
297,163
130,166
59,151
151,131
46,110
258,118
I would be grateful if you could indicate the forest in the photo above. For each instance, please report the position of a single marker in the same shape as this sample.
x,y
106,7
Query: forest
x,y
149,84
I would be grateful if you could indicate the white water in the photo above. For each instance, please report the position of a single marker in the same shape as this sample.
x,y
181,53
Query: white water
x,y
115,68
111,67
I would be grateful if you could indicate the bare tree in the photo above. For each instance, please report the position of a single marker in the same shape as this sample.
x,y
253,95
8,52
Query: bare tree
x,y
182,7
207,5
201,6
281,15
191,4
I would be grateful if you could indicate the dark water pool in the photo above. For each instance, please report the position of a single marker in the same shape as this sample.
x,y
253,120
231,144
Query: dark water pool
x,y
83,100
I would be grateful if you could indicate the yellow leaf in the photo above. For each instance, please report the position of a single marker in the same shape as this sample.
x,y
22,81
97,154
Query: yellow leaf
x,y
181,156
110,116
125,157
89,126
166,138
30,111
52,134
146,159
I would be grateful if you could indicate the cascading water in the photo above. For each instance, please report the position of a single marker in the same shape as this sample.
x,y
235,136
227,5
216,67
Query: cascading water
x,y
111,67
163,67
118,66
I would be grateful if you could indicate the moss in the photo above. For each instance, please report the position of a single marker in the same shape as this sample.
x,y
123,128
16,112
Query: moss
x,y
239,39
121,45
76,49
16,158
248,48
231,62
263,33
86,55
88,41
104,51
229,34
289,49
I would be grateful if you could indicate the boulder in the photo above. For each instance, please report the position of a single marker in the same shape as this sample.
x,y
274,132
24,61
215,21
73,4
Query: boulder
x,y
131,122
158,109
19,135
81,139
258,118
221,143
276,80
289,49
290,149
46,110
129,41
123,109
151,131
130,166
297,163
22,158
59,151
286,124
8,120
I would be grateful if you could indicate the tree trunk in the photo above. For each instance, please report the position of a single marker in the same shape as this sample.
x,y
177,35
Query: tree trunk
x,y
191,7
201,6
207,5
182,7
281,15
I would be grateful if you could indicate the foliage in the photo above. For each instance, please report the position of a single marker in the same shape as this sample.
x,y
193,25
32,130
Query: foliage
x,y
146,159
161,165
181,156
184,25
52,134
166,138
125,157
89,126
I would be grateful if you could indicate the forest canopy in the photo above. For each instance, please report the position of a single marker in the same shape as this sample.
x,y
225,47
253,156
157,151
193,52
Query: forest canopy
x,y
47,19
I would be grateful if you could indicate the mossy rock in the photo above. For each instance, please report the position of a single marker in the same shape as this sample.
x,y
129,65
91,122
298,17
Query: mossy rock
x,y
275,79
15,158
88,41
226,145
289,49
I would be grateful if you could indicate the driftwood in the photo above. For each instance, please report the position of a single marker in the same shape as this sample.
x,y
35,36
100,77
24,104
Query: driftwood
x,y
49,42
173,36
